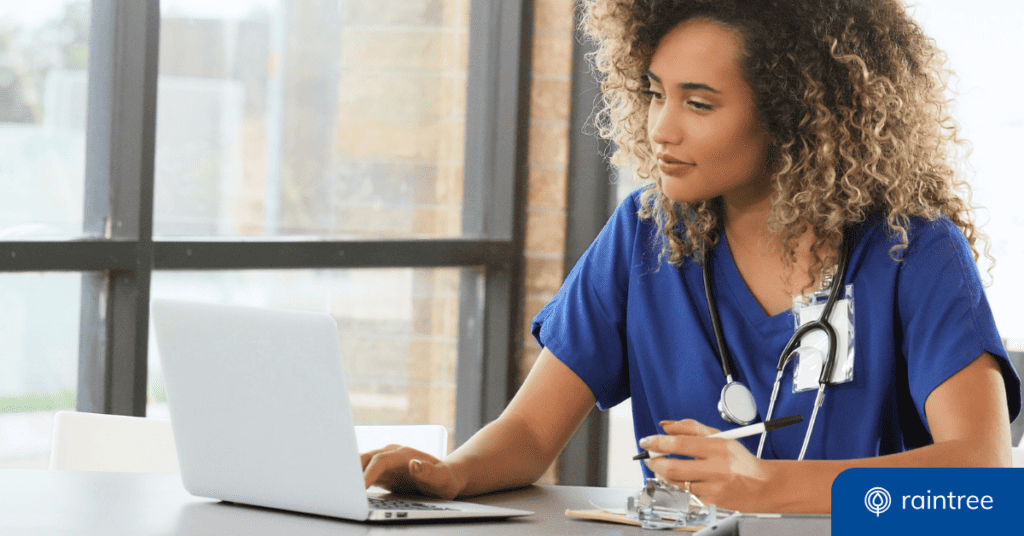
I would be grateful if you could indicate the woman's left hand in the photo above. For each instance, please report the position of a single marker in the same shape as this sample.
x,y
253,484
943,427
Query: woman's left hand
x,y
722,472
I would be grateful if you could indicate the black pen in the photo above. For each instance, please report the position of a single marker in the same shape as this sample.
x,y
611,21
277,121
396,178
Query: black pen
x,y
736,433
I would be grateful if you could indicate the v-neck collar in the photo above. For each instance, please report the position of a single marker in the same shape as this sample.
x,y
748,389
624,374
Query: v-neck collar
x,y
724,266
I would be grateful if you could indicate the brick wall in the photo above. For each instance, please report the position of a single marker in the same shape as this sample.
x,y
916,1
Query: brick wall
x,y
547,161
401,104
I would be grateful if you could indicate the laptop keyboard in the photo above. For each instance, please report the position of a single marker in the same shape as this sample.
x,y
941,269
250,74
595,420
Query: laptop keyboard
x,y
378,503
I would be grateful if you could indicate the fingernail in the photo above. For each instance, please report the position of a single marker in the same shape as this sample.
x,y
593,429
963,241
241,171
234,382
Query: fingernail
x,y
645,442
417,466
665,422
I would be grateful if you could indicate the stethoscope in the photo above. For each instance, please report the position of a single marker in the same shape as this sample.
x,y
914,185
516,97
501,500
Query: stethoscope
x,y
736,403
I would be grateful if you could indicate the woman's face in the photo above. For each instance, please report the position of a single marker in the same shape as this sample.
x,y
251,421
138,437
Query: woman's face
x,y
702,122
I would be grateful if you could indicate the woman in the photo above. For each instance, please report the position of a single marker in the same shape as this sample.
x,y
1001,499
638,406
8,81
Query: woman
x,y
775,133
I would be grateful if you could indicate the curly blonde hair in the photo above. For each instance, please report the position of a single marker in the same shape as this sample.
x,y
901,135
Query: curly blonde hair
x,y
852,91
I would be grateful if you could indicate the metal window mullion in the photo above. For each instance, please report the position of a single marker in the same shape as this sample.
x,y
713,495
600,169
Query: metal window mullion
x,y
120,136
584,460
493,199
119,255
75,256
325,254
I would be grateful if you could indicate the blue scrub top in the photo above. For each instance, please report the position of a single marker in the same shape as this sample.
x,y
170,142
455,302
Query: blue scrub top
x,y
632,326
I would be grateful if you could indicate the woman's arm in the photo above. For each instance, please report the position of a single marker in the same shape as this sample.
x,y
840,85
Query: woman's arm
x,y
967,415
512,451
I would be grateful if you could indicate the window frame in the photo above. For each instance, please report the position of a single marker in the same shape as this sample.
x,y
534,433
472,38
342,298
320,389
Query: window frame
x,y
118,256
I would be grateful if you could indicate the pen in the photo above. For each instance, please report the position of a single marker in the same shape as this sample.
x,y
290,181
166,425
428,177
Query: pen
x,y
736,433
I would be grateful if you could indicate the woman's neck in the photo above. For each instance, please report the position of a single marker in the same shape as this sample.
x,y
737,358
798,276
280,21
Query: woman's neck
x,y
757,253
746,226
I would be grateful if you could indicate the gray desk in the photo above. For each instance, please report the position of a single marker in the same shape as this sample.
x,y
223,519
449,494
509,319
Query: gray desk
x,y
55,502
112,504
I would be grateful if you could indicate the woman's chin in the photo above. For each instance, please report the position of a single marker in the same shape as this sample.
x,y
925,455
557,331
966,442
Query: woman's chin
x,y
685,197
681,191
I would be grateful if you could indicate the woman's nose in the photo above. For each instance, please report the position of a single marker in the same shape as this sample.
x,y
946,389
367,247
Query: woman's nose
x,y
665,128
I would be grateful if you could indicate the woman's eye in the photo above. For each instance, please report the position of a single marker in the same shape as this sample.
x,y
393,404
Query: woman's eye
x,y
702,106
652,94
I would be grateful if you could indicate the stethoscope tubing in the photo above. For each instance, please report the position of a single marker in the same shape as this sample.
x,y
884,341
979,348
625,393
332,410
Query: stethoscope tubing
x,y
822,323
716,322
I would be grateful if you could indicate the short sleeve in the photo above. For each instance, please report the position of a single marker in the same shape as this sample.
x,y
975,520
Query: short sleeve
x,y
946,319
584,324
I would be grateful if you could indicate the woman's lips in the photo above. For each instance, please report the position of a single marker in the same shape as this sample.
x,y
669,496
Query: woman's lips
x,y
673,166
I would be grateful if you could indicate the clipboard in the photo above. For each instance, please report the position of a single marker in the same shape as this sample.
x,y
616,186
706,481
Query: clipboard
x,y
612,517
736,524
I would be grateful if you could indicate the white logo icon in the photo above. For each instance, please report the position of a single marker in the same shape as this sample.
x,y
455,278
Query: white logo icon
x,y
877,500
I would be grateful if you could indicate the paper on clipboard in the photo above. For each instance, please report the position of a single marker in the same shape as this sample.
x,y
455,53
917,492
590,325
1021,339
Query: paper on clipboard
x,y
613,517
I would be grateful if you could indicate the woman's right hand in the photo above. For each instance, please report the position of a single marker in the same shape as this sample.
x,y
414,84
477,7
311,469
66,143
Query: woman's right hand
x,y
408,471
511,451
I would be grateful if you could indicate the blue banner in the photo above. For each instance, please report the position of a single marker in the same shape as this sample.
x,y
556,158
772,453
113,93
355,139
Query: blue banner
x,y
927,501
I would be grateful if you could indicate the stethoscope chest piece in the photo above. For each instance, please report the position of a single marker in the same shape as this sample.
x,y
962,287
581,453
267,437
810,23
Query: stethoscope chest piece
x,y
737,404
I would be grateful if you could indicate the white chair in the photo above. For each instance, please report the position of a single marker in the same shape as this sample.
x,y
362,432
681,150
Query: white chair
x,y
115,443
112,443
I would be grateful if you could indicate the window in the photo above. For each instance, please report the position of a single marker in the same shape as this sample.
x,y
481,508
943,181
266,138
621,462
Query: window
x,y
266,152
38,361
357,134
398,328
43,57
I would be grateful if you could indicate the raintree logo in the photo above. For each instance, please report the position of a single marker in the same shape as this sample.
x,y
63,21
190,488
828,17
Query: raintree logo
x,y
877,500
888,501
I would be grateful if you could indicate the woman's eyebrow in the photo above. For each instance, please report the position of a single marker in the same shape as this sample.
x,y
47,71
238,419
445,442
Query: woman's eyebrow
x,y
685,86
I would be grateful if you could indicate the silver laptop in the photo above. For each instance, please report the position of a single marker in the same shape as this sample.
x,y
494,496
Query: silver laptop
x,y
261,413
